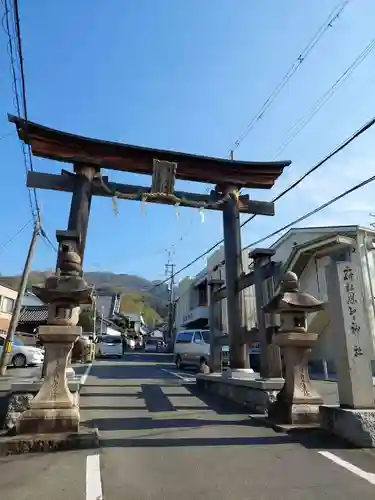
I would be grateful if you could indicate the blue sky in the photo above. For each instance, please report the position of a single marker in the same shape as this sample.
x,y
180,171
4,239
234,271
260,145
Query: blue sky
x,y
187,75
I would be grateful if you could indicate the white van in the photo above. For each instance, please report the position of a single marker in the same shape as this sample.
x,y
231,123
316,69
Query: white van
x,y
192,347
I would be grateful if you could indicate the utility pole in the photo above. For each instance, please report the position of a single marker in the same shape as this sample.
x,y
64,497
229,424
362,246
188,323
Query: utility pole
x,y
94,315
169,272
18,304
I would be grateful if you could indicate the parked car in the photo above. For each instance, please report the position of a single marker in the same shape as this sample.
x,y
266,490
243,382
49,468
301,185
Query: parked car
x,y
108,345
152,345
22,355
192,347
131,343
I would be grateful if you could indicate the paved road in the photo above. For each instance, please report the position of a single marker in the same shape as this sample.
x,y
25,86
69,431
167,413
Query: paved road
x,y
161,440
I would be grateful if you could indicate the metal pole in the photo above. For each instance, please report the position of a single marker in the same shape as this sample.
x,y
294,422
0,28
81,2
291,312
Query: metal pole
x,y
94,317
18,304
233,270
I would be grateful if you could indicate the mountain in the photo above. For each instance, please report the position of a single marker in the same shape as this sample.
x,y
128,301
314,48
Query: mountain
x,y
137,288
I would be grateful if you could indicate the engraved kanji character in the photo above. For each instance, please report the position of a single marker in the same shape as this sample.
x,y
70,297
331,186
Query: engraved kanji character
x,y
355,328
357,351
351,300
348,274
349,287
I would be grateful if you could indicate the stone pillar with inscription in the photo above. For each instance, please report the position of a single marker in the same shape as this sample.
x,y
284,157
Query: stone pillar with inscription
x,y
354,419
54,409
298,402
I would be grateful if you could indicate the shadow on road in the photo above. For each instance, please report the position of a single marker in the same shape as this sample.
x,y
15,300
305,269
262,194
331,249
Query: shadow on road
x,y
104,370
182,442
143,423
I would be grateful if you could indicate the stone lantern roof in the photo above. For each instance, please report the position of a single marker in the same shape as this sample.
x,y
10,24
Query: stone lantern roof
x,y
291,299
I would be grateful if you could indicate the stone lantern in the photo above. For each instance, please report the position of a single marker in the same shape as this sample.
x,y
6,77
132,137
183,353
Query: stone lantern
x,y
54,408
297,402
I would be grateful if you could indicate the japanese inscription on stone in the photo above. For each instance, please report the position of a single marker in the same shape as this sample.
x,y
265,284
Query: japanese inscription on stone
x,y
352,304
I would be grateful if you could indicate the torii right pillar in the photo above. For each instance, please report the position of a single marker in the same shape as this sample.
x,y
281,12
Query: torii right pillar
x,y
238,357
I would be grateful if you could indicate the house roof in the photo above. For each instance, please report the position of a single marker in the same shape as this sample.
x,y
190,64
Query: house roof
x,y
301,254
4,283
320,229
62,146
33,314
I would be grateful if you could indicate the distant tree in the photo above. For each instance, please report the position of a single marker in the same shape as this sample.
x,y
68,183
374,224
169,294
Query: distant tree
x,y
122,322
86,320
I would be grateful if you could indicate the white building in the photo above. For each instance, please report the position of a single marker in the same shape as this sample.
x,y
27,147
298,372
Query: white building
x,y
137,322
305,251
7,300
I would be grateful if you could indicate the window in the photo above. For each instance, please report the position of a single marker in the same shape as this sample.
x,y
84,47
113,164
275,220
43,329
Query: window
x,y
7,305
184,338
17,342
2,341
198,337
111,340
206,336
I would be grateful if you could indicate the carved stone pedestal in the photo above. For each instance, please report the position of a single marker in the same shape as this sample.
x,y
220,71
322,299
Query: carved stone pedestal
x,y
297,402
53,410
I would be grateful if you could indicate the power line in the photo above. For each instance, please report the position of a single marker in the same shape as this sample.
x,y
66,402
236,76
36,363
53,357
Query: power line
x,y
313,212
47,240
18,99
339,148
12,238
297,128
333,16
6,26
6,135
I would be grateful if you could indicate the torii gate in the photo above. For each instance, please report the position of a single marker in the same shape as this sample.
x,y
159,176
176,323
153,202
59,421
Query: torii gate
x,y
88,156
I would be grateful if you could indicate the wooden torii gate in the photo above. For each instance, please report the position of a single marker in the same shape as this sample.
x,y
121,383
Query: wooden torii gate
x,y
88,156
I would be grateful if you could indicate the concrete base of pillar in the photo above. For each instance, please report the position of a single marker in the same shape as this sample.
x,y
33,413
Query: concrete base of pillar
x,y
33,386
239,373
296,413
355,426
45,443
42,421
256,394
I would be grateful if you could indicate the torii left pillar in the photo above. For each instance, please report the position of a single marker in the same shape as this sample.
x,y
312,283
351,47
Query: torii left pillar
x,y
79,214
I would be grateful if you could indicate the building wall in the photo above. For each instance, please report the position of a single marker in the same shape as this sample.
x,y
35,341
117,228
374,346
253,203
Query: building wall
x,y
216,270
313,280
183,304
7,300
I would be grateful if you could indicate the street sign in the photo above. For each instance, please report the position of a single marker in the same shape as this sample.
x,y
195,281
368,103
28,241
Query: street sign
x,y
254,348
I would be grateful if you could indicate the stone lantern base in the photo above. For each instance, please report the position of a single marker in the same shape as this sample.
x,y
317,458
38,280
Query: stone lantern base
x,y
54,409
297,402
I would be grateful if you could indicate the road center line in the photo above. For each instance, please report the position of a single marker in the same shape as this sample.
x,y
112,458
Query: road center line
x,y
86,374
350,467
93,478
185,378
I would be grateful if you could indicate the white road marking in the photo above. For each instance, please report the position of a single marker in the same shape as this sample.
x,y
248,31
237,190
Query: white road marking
x,y
184,377
86,374
350,467
93,478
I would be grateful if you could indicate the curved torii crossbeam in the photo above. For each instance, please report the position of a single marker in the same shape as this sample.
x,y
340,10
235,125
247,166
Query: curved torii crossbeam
x,y
229,176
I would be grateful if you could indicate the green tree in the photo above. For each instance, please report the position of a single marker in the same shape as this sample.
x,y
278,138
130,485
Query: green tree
x,y
86,320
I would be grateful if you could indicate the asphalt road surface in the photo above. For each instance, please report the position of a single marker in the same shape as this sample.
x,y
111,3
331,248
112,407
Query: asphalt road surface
x,y
162,440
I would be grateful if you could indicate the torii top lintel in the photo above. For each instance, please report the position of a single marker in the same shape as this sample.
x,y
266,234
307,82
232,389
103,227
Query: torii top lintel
x,y
62,146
